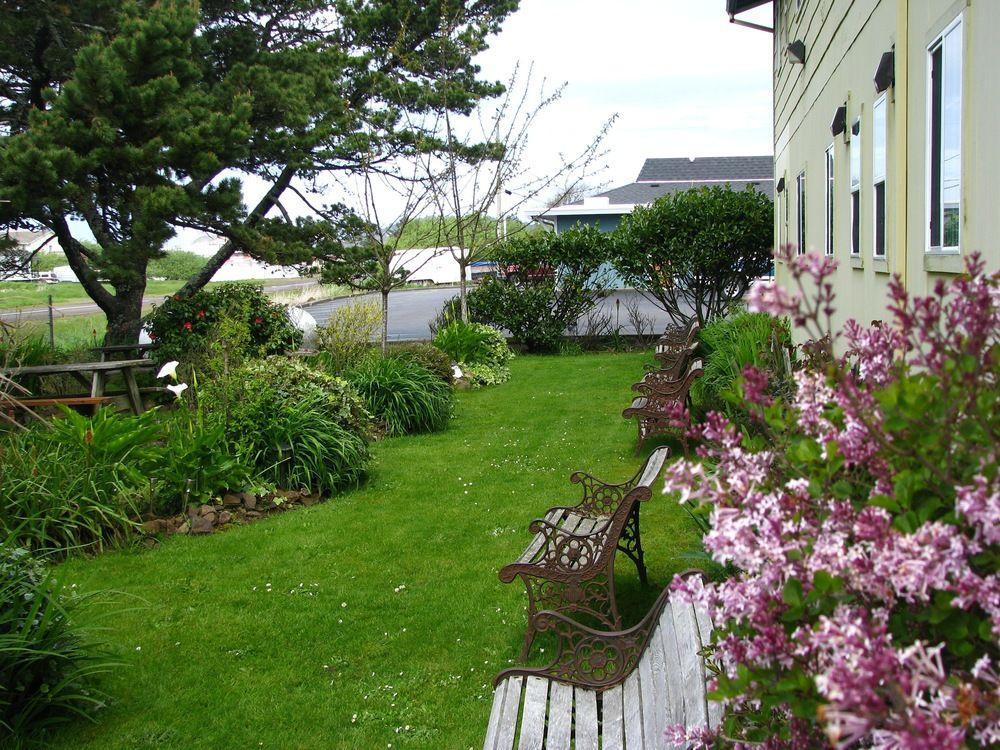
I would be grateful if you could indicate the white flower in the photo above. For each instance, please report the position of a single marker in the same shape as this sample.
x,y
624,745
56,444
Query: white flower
x,y
169,370
456,371
178,389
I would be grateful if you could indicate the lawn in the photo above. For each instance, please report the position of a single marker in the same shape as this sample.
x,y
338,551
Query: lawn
x,y
374,620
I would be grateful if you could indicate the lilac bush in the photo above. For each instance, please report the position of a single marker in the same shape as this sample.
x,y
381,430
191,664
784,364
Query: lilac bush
x,y
861,525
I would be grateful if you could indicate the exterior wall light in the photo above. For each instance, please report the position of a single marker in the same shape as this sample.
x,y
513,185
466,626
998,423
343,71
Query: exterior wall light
x,y
797,52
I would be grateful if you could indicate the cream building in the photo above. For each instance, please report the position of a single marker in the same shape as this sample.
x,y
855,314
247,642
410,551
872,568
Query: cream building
x,y
886,138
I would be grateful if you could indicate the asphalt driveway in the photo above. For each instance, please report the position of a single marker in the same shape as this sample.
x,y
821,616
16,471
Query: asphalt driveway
x,y
412,310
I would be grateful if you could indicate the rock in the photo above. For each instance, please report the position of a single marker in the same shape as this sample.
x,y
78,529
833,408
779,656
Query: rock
x,y
154,526
204,510
184,528
310,500
229,500
249,500
202,524
225,517
253,515
290,495
192,511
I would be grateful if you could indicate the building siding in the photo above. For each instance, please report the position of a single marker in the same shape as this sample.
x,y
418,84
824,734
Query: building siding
x,y
844,41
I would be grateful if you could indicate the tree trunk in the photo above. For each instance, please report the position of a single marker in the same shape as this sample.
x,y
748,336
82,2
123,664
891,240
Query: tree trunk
x,y
385,321
125,317
462,293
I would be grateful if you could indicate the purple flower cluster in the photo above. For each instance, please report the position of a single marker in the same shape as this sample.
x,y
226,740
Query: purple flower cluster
x,y
862,531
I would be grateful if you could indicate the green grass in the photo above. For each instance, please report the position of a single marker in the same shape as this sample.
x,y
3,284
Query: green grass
x,y
217,659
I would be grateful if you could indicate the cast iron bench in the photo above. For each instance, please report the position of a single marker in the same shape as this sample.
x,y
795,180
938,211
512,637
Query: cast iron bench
x,y
613,691
656,405
569,565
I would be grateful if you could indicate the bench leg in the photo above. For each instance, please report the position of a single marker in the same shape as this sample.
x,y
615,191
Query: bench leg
x,y
134,399
631,544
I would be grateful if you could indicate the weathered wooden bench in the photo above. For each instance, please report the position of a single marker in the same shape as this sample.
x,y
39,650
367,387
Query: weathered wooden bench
x,y
614,691
569,565
656,409
678,336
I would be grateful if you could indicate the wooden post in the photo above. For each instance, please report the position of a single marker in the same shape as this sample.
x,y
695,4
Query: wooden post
x,y
52,327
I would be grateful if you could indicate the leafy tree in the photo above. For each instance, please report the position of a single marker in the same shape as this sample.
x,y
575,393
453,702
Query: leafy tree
x,y
696,252
546,282
134,119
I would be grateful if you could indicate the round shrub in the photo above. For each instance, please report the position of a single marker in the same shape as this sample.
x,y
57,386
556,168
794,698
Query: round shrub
x,y
47,666
403,395
426,355
182,326
480,350
298,426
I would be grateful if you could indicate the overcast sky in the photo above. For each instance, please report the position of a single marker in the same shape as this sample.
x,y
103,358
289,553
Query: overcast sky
x,y
683,80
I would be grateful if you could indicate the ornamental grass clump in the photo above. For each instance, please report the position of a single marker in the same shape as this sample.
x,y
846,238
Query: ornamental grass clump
x,y
863,523
405,397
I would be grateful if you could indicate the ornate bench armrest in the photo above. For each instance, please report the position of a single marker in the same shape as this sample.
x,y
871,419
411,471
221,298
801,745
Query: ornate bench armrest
x,y
592,658
563,553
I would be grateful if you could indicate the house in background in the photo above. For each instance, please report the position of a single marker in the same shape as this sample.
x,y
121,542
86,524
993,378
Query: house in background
x,y
659,177
885,139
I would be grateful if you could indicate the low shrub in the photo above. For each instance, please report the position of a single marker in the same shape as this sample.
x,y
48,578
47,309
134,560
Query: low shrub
x,y
480,351
78,483
426,355
730,344
259,406
182,326
402,395
349,335
48,665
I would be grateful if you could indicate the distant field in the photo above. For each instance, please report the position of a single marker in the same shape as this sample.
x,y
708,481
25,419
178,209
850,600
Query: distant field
x,y
71,331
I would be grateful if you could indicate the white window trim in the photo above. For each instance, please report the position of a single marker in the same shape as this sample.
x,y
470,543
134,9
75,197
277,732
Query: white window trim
x,y
829,219
883,100
958,22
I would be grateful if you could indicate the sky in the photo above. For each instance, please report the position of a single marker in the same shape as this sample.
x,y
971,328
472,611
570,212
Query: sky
x,y
682,79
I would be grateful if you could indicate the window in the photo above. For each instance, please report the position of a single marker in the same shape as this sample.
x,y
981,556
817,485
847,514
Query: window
x,y
800,207
830,193
855,147
945,134
879,139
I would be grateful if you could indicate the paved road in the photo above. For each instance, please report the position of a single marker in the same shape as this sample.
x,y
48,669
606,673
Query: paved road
x,y
89,308
411,310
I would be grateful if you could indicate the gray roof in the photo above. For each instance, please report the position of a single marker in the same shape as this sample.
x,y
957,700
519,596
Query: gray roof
x,y
708,168
638,193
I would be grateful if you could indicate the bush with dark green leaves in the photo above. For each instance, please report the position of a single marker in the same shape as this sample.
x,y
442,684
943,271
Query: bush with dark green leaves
x,y
696,252
48,664
426,355
403,395
546,282
183,326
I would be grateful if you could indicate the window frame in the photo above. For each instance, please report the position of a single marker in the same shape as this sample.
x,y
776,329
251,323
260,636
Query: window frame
x,y
956,25
854,153
831,194
800,212
880,181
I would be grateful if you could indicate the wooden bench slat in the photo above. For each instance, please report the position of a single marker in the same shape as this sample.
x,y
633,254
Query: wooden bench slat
x,y
648,697
613,725
658,677
712,708
585,730
64,400
690,666
632,710
508,715
536,697
653,466
675,687
560,717
493,728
